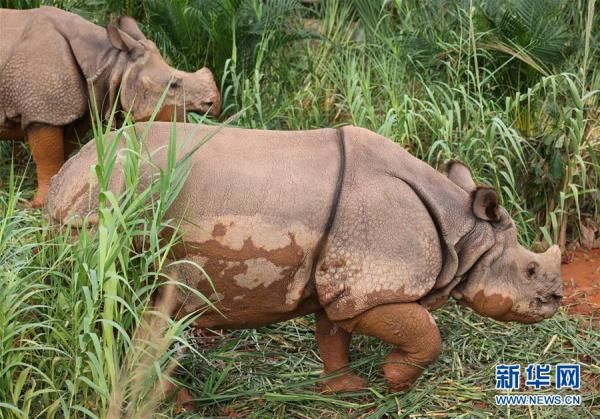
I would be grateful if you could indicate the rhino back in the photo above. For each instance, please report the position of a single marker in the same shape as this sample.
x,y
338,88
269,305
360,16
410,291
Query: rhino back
x,y
254,209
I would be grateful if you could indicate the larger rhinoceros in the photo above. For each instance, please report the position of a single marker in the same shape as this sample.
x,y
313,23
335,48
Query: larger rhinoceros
x,y
341,223
48,57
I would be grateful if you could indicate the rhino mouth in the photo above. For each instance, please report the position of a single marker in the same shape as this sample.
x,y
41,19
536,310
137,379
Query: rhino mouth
x,y
210,108
545,307
538,309
521,318
207,106
169,113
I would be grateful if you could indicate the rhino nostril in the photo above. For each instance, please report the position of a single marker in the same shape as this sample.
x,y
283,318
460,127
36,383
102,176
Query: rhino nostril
x,y
551,298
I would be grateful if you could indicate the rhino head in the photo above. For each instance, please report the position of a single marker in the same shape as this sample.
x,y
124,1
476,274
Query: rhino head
x,y
143,76
507,282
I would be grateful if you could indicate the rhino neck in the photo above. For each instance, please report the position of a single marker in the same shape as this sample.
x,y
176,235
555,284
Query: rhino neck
x,y
448,208
459,235
463,239
473,246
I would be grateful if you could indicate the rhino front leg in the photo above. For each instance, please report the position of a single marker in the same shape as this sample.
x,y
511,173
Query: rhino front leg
x,y
333,344
46,143
413,332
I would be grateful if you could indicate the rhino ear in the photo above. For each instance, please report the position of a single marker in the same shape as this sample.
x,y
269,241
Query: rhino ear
x,y
131,28
485,204
119,39
460,174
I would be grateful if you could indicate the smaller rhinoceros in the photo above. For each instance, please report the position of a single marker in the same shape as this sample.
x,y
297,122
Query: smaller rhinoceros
x,y
341,223
49,57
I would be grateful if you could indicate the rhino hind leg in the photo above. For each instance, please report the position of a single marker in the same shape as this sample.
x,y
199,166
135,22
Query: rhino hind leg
x,y
333,344
412,331
47,148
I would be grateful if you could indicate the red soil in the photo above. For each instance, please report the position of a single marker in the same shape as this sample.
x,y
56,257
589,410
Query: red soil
x,y
581,278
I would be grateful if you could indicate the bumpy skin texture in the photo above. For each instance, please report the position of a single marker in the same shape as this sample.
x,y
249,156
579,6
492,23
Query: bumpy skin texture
x,y
50,60
404,238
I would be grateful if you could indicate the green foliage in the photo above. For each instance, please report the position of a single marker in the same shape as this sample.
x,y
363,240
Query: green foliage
x,y
72,298
534,33
204,32
535,26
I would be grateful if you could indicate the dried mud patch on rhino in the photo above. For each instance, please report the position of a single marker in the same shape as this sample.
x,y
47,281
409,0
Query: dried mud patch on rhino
x,y
219,230
289,255
493,305
249,266
581,279
247,254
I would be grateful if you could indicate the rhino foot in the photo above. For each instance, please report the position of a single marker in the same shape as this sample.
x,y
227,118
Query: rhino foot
x,y
184,401
36,202
399,372
345,383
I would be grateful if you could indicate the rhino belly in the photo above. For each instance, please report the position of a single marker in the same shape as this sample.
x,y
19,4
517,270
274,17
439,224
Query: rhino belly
x,y
259,270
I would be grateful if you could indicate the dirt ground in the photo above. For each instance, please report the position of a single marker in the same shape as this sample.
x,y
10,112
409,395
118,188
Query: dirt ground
x,y
581,278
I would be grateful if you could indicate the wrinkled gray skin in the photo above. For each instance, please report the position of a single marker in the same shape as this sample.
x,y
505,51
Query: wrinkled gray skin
x,y
403,238
50,58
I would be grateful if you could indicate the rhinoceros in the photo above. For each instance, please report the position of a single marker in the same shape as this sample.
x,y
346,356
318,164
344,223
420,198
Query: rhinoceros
x,y
342,223
49,58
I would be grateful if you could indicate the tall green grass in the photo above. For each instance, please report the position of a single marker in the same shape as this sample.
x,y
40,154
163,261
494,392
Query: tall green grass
x,y
72,298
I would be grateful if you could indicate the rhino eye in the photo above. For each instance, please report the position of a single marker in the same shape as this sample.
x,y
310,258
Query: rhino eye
x,y
174,84
532,269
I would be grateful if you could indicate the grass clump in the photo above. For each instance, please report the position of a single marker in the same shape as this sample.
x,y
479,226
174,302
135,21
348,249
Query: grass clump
x,y
72,298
